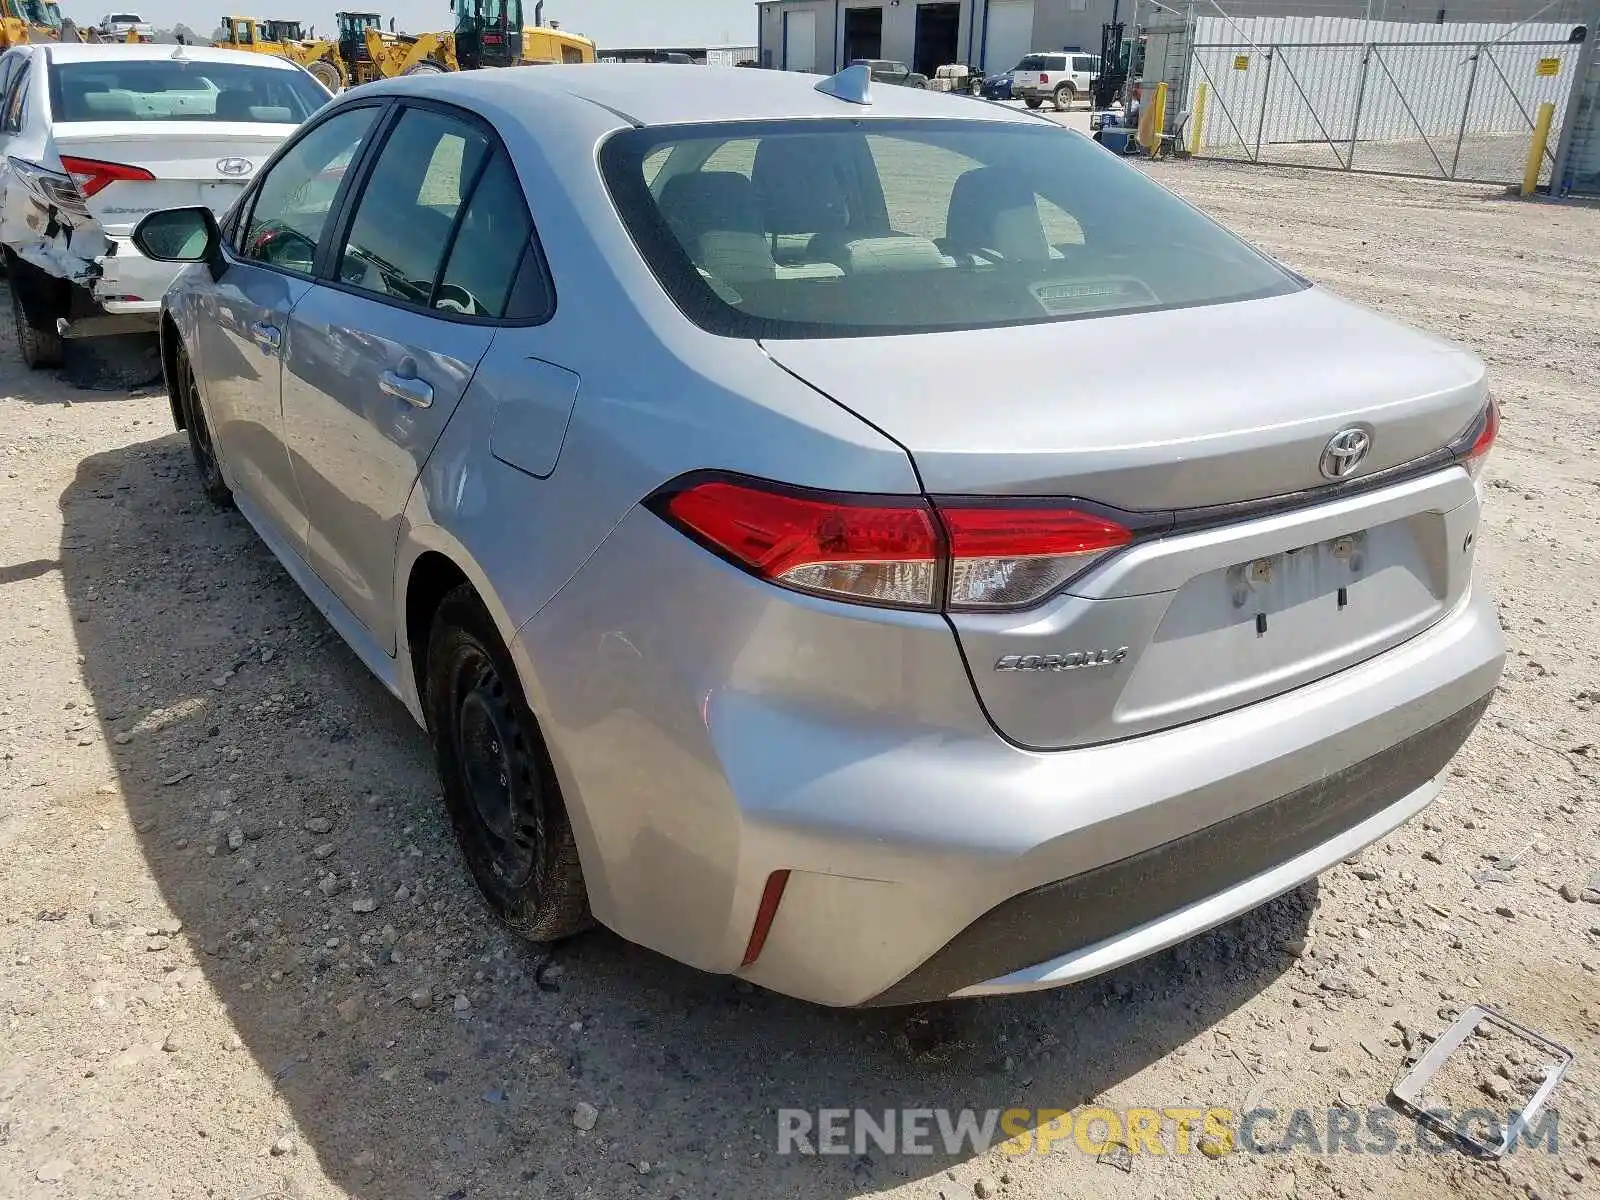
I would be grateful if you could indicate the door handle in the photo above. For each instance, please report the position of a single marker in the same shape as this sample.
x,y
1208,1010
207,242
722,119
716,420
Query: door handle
x,y
416,392
266,336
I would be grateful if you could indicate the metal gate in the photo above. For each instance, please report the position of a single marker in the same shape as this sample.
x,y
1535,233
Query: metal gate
x,y
1461,110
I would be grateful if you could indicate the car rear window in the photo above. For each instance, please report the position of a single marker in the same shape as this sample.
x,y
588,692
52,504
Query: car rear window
x,y
793,229
1036,62
162,89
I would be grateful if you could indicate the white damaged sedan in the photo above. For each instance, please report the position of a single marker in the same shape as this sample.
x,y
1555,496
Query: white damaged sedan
x,y
92,138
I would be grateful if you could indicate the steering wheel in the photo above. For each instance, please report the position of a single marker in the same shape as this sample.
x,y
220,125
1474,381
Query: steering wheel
x,y
453,297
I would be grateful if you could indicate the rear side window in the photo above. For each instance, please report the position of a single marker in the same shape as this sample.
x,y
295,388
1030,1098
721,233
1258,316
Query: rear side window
x,y
442,224
408,207
483,262
1084,62
164,89
882,226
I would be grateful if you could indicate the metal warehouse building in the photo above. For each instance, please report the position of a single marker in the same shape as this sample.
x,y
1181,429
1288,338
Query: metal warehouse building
x,y
825,35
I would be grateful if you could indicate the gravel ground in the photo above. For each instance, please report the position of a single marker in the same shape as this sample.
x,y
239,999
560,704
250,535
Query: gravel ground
x,y
239,957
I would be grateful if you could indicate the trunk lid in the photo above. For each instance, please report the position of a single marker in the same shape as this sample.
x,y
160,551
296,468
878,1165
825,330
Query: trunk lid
x,y
1175,409
1170,413
193,164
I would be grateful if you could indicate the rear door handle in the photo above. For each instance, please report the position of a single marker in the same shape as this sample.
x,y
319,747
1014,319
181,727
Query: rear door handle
x,y
416,392
266,336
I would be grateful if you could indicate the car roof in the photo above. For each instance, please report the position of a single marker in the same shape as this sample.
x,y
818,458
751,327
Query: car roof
x,y
64,52
664,94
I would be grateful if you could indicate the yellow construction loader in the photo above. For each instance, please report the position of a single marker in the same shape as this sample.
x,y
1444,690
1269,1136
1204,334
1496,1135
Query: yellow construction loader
x,y
286,39
490,33
24,21
367,51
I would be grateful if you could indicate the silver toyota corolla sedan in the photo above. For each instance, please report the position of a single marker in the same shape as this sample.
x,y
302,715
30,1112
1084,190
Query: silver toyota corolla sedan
x,y
865,540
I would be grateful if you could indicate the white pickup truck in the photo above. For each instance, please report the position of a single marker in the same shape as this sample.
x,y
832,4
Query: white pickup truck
x,y
119,25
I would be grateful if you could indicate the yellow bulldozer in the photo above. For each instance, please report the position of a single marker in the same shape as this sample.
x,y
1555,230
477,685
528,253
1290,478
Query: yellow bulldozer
x,y
286,39
367,51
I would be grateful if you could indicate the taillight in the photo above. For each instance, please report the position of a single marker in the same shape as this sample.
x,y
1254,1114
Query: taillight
x,y
897,551
92,176
1483,432
1009,557
857,548
1043,78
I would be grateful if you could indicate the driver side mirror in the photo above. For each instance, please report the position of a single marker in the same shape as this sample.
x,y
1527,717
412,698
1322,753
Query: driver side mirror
x,y
185,235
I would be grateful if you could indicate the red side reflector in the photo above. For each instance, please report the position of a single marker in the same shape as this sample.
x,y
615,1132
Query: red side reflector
x,y
771,896
92,175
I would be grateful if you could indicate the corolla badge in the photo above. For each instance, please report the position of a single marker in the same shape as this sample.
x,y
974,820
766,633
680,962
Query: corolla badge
x,y
234,168
1072,660
1344,452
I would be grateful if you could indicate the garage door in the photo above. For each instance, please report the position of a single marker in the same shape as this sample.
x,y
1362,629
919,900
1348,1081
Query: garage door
x,y
1010,34
800,41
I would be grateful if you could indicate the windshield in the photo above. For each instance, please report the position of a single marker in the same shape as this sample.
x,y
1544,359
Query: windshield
x,y
163,90
841,228
479,14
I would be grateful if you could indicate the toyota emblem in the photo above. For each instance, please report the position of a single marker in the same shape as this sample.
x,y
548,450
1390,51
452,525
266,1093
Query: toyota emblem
x,y
1345,452
234,168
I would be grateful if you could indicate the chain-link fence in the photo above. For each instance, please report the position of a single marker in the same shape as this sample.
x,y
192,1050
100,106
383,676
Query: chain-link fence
x,y
1451,101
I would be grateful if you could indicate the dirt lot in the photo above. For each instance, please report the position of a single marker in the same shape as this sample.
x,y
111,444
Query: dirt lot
x,y
239,957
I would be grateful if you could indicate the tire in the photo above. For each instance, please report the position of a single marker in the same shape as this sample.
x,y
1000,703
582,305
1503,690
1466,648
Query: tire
x,y
325,73
1065,97
1032,101
200,444
426,67
40,348
499,786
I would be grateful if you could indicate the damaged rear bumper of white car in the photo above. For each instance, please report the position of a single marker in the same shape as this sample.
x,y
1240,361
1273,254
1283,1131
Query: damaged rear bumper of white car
x,y
112,287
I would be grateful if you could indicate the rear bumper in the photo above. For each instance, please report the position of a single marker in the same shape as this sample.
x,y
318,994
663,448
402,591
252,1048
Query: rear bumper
x,y
132,285
1101,918
710,730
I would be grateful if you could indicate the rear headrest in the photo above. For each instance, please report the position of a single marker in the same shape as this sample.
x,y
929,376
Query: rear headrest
x,y
234,106
994,208
798,186
701,201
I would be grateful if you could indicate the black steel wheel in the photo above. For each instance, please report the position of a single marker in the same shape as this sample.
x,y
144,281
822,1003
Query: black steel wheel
x,y
499,786
200,445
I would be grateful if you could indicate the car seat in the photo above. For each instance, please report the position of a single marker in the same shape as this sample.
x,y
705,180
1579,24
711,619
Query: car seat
x,y
994,214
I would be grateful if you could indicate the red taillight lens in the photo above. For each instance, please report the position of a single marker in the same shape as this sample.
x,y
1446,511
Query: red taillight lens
x,y
892,550
1007,557
878,551
91,175
1043,78
1483,433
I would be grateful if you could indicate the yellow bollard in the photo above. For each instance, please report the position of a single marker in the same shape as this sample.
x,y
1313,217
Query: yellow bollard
x,y
1541,136
1198,119
1153,122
